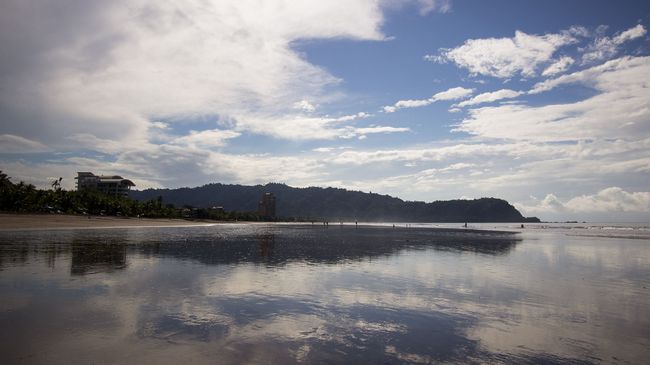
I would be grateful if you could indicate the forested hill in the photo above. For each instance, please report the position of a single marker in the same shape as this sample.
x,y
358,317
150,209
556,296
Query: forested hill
x,y
337,204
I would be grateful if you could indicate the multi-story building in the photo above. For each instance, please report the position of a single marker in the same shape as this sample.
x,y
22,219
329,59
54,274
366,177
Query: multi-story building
x,y
111,184
266,206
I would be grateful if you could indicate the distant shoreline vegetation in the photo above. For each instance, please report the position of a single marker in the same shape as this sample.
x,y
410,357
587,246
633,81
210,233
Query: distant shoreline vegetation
x,y
25,198
293,204
334,204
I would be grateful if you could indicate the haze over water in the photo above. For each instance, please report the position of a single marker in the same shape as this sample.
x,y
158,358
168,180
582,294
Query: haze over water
x,y
254,293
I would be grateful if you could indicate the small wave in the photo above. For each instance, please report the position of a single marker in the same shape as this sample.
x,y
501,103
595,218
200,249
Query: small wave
x,y
617,228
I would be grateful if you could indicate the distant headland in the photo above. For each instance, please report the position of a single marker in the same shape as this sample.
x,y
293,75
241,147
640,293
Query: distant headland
x,y
336,204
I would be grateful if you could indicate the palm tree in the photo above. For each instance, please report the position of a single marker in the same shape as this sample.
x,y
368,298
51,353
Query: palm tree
x,y
4,180
56,184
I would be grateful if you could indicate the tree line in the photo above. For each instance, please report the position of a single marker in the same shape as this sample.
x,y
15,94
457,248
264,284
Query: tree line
x,y
26,198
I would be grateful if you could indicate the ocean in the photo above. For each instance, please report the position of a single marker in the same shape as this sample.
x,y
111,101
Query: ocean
x,y
288,293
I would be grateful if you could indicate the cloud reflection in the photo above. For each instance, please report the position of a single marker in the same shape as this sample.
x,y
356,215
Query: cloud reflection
x,y
303,294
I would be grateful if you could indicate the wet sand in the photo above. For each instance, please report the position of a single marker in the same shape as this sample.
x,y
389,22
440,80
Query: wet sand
x,y
53,221
302,294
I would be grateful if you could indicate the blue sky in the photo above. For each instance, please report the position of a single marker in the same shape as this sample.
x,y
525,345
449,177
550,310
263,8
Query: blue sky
x,y
545,104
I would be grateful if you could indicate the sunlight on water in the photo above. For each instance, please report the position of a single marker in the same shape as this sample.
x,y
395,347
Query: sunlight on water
x,y
285,294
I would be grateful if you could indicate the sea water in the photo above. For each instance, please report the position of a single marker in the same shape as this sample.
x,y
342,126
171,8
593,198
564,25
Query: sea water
x,y
279,293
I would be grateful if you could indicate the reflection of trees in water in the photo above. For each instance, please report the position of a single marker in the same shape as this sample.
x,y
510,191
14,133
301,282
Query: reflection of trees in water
x,y
17,253
279,245
91,255
88,252
14,254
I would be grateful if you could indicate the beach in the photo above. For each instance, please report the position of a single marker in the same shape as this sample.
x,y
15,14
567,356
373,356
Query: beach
x,y
54,221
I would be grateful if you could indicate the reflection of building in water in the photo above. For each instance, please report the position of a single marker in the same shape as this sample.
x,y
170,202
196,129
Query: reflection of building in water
x,y
266,206
267,242
90,258
113,184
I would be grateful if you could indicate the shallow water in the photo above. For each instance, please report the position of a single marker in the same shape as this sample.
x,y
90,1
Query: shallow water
x,y
284,294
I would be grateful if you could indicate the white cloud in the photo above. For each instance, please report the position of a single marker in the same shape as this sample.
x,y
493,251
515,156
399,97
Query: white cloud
x,y
379,129
505,169
558,66
440,153
111,68
300,127
323,149
159,125
429,6
175,166
91,142
207,138
609,200
506,57
591,75
490,97
453,93
424,7
578,31
435,58
452,167
413,103
362,133
16,144
633,33
621,109
604,47
304,105
351,117
458,166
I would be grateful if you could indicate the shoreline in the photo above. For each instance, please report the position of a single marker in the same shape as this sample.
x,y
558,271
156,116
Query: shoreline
x,y
30,221
10,222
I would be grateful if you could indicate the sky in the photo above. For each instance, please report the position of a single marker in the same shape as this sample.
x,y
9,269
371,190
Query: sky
x,y
545,104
